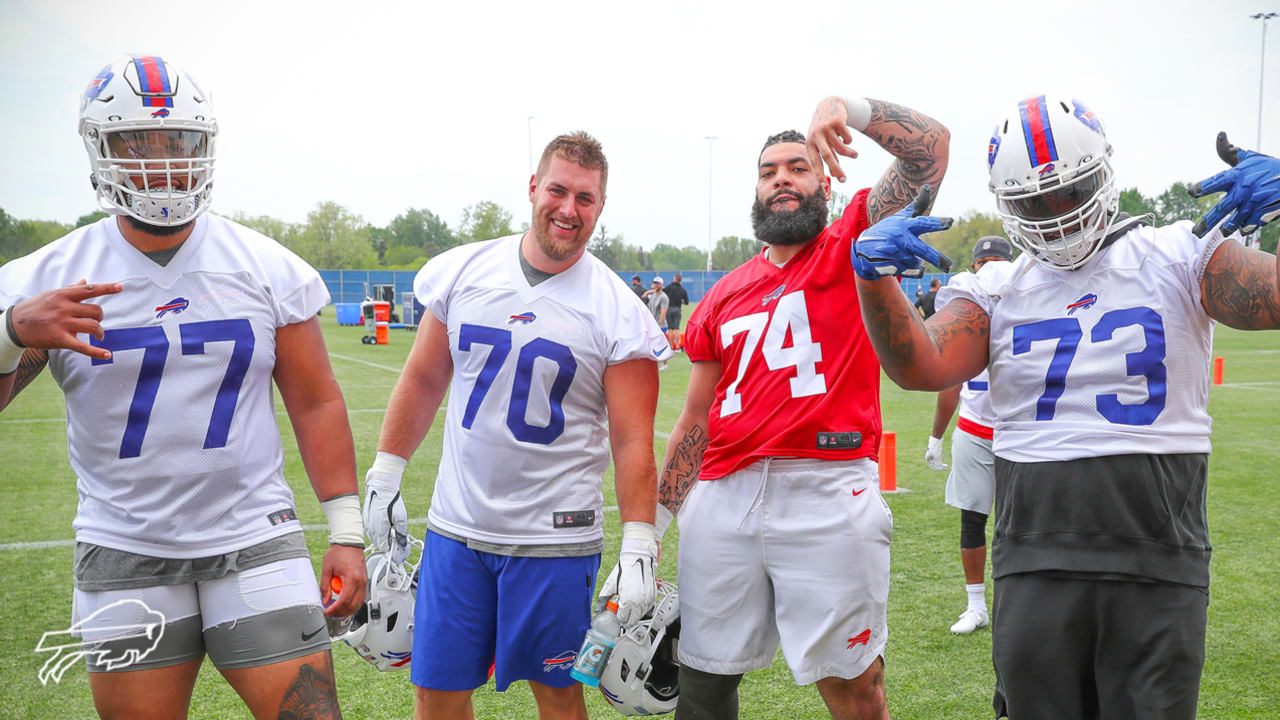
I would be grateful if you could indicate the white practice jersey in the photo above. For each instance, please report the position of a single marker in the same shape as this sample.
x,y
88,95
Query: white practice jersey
x,y
174,440
975,401
1109,359
526,437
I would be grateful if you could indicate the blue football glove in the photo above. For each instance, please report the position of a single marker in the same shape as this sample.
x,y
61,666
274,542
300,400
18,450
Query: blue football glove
x,y
1252,186
893,245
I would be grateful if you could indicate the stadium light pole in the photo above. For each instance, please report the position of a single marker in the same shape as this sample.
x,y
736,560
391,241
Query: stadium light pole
x,y
1262,64
529,127
711,139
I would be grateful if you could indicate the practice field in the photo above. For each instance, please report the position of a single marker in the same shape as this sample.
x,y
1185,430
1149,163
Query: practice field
x,y
930,673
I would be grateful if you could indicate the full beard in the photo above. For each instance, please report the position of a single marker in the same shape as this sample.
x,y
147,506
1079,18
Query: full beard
x,y
155,230
557,250
789,227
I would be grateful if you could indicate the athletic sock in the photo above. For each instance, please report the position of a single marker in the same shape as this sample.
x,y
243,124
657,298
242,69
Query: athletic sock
x,y
977,596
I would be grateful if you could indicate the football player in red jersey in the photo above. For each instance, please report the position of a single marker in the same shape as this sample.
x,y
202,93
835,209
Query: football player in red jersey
x,y
787,540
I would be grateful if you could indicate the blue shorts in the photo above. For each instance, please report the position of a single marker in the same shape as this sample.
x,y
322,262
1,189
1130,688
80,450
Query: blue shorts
x,y
524,617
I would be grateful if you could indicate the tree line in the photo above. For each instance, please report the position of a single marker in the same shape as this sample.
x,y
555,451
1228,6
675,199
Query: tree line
x,y
333,237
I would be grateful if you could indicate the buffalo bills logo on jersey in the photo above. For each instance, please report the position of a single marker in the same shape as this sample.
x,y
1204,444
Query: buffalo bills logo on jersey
x,y
175,306
1086,116
993,147
523,318
1083,303
98,82
161,113
773,295
563,661
861,638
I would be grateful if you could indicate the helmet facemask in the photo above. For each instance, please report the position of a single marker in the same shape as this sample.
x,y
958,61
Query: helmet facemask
x,y
1061,222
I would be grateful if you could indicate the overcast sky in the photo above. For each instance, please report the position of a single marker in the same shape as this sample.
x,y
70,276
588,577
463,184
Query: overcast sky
x,y
382,106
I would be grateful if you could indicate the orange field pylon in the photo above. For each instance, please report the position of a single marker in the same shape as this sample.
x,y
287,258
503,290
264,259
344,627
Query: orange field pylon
x,y
1217,371
888,462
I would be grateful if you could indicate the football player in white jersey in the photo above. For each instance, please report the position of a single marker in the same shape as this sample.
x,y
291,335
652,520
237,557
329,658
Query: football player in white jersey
x,y
165,326
971,486
550,363
1097,340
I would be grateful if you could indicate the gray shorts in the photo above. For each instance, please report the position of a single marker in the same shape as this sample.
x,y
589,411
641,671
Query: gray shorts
x,y
972,482
242,617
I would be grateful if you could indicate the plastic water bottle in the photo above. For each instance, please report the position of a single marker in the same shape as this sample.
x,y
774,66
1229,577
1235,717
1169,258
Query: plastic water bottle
x,y
589,666
338,626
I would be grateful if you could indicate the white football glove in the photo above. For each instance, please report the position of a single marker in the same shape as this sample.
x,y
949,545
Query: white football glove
x,y
385,520
633,579
933,455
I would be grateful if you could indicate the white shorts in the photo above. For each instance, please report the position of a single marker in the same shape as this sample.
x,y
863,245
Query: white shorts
x,y
245,618
972,482
788,550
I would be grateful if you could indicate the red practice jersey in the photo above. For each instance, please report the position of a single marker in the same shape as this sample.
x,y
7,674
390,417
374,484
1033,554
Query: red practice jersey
x,y
799,377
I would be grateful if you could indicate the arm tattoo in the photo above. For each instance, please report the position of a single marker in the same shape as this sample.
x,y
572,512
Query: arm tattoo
x,y
1239,288
920,145
311,696
889,325
681,473
959,317
30,364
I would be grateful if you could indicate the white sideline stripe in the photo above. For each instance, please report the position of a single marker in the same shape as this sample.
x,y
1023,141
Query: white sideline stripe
x,y
43,544
282,413
388,368
1251,386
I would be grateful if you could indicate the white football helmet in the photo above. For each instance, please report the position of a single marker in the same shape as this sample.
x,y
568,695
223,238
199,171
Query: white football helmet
x,y
382,629
150,133
1050,167
641,676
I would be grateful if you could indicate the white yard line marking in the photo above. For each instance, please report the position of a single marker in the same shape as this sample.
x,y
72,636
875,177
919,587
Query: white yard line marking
x,y
388,368
43,544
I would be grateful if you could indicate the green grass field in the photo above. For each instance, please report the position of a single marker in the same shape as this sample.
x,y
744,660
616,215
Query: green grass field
x,y
930,673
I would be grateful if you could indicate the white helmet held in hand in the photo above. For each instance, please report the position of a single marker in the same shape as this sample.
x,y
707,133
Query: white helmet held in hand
x,y
149,130
641,677
1050,167
382,629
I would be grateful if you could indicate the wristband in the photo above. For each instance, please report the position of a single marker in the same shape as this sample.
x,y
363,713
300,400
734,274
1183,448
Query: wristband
x,y
345,525
390,467
859,112
661,520
10,349
639,531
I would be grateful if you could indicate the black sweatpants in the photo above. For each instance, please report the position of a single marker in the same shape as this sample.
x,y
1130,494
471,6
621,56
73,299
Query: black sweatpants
x,y
1097,649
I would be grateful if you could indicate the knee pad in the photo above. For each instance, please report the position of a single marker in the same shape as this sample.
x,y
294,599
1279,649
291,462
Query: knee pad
x,y
707,696
973,529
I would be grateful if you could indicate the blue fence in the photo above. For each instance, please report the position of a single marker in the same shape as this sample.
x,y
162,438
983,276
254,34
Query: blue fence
x,y
348,286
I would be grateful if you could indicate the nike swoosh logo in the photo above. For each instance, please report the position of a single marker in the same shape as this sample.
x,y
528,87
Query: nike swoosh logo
x,y
307,636
859,492
658,353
